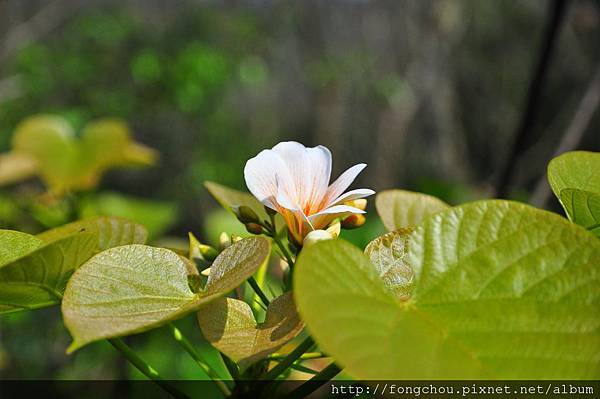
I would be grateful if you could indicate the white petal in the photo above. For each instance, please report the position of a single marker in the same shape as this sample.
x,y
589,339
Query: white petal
x,y
343,182
352,195
323,218
261,174
310,170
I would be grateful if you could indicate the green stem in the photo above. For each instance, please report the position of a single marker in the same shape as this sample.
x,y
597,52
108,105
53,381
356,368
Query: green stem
x,y
145,368
231,367
315,382
282,247
189,348
289,359
258,291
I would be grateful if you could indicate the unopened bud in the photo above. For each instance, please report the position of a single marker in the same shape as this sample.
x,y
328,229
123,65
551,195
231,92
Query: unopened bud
x,y
224,240
270,212
353,221
205,272
360,203
254,228
194,250
208,252
245,214
235,238
335,229
316,236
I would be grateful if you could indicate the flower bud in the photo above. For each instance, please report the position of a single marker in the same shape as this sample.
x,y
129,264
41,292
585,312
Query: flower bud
x,y
335,229
245,214
208,252
353,221
360,203
254,228
235,238
316,236
270,212
224,240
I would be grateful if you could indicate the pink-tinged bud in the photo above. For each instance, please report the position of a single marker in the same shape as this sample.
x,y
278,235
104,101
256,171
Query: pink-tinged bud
x,y
353,221
254,228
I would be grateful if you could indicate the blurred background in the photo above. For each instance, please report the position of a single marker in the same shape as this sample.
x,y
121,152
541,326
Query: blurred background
x,y
460,99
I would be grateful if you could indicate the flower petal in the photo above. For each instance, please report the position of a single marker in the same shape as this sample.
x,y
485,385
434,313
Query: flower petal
x,y
310,170
352,195
342,183
261,174
322,219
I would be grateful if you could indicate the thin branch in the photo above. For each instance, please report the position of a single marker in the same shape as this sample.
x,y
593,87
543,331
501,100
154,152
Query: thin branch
x,y
524,129
573,134
146,369
315,382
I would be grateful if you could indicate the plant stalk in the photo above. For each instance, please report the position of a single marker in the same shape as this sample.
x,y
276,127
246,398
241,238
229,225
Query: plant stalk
x,y
189,348
145,368
258,291
289,359
315,382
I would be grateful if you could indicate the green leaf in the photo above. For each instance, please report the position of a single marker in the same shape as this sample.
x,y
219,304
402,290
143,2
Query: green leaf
x,y
575,180
502,290
229,325
387,256
228,198
37,279
399,208
14,244
583,208
111,231
134,288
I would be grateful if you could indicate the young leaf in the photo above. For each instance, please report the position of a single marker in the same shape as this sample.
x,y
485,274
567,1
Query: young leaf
x,y
37,279
502,290
399,208
229,325
134,288
111,231
575,179
387,255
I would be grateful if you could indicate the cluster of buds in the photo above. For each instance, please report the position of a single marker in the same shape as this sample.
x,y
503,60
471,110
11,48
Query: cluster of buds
x,y
250,219
356,219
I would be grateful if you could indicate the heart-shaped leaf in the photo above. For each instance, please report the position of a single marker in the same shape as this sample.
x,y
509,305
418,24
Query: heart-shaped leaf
x,y
387,255
229,325
37,278
399,208
575,179
134,288
502,290
111,231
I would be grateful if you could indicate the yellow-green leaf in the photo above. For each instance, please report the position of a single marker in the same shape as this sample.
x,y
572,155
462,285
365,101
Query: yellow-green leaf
x,y
387,255
111,231
399,208
37,278
502,291
575,179
229,325
134,288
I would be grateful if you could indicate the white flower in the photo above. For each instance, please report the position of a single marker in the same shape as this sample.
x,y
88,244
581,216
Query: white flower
x,y
294,181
